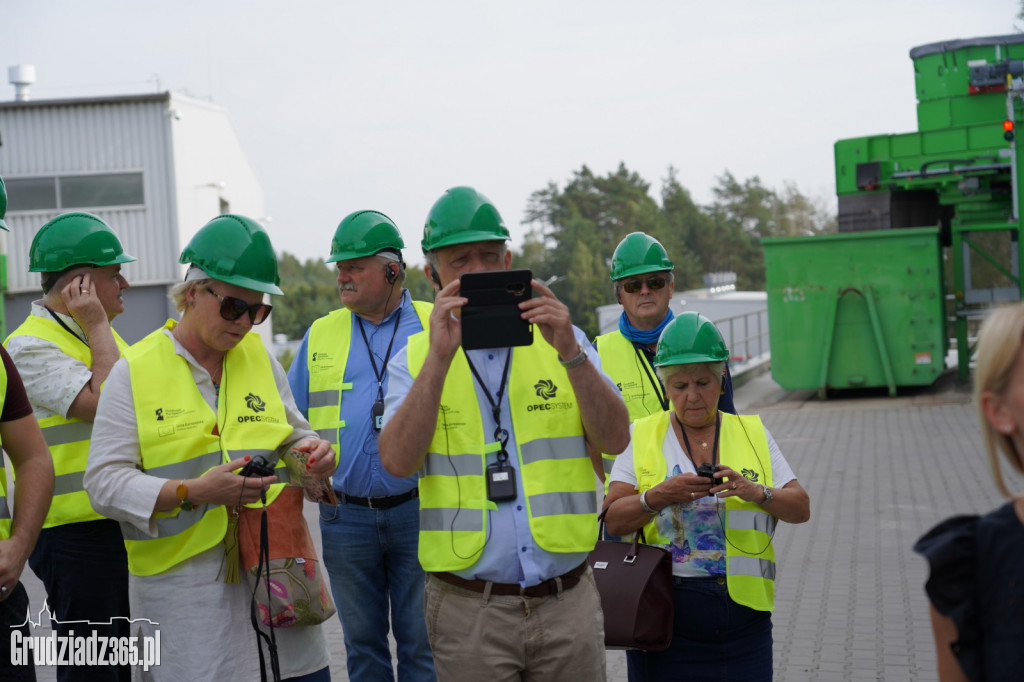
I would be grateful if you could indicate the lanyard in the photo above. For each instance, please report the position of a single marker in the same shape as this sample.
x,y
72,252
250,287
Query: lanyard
x,y
387,356
500,434
714,449
659,391
56,317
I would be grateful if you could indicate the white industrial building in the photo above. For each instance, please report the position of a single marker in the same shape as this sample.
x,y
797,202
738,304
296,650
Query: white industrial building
x,y
155,167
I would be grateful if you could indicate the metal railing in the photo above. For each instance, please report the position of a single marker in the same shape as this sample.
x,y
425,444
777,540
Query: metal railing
x,y
746,335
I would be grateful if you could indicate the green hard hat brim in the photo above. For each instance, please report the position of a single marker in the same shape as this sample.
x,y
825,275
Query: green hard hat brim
x,y
691,359
116,260
641,270
3,226
352,255
249,283
467,237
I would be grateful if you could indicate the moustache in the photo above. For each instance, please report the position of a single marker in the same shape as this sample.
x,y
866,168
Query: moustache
x,y
346,286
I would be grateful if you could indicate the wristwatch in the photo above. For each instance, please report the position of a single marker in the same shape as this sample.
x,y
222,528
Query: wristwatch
x,y
575,361
768,494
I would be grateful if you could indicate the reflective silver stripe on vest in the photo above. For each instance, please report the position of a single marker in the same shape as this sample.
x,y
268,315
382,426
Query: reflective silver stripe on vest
x,y
68,483
167,526
5,511
748,519
323,398
752,566
330,435
437,464
547,504
62,434
197,466
566,447
607,463
449,519
282,473
189,468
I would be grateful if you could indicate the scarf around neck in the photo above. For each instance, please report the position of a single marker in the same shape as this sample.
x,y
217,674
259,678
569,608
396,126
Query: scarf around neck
x,y
644,336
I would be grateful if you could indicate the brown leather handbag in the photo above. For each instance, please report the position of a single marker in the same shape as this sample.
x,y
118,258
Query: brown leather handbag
x,y
637,597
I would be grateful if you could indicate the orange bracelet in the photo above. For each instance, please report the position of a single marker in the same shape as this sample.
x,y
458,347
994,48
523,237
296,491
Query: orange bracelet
x,y
182,491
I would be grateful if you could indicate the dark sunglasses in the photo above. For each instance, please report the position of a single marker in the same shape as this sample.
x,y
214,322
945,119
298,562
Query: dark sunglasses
x,y
653,283
232,308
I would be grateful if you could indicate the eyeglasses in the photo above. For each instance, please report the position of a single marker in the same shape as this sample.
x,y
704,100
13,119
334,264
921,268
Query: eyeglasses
x,y
232,308
653,283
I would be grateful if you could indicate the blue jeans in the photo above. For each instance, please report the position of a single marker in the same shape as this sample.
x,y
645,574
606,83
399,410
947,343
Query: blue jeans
x,y
84,568
371,559
714,639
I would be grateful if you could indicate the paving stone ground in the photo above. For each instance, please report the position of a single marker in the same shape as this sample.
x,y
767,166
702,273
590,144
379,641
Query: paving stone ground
x,y
880,471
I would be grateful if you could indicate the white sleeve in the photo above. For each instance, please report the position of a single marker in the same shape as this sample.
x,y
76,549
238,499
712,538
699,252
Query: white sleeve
x,y
782,473
117,488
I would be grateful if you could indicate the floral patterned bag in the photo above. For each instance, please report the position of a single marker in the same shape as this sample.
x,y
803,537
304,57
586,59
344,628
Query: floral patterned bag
x,y
293,591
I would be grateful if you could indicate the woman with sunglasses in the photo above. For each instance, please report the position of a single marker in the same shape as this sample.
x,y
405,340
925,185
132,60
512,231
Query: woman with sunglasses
x,y
179,415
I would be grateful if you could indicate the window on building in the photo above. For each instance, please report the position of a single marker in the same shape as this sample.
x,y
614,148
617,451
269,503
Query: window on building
x,y
70,192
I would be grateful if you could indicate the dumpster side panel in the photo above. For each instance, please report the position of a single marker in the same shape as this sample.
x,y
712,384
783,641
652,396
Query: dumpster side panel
x,y
873,299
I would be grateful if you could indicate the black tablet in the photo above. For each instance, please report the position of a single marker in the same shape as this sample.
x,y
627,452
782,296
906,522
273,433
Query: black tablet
x,y
492,318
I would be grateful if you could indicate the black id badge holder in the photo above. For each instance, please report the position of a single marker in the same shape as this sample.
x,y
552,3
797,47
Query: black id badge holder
x,y
501,476
377,414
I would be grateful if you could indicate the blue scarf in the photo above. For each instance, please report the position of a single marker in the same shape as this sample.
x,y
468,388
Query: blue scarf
x,y
640,335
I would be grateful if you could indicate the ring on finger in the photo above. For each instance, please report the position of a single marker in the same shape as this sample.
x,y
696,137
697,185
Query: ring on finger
x,y
693,496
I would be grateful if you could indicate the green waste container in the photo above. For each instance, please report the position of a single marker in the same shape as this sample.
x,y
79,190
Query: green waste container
x,y
856,310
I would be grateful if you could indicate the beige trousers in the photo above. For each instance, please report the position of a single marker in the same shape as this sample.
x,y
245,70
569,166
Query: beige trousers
x,y
477,637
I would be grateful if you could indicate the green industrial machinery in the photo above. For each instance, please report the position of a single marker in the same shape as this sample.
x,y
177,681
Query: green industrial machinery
x,y
930,233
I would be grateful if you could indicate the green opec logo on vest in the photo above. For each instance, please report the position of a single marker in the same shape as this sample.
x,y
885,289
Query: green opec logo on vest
x,y
547,390
256,404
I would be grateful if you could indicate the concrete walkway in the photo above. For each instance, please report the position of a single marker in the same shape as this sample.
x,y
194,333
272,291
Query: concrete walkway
x,y
880,471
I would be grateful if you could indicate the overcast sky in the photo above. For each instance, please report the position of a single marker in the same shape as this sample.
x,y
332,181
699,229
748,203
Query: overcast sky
x,y
382,104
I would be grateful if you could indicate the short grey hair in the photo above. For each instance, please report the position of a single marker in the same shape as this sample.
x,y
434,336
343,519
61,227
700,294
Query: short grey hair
x,y
665,372
387,257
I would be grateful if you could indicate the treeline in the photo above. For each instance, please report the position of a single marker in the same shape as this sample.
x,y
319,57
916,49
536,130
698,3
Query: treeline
x,y
574,228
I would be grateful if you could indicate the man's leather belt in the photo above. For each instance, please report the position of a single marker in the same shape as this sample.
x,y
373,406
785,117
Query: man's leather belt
x,y
384,502
544,589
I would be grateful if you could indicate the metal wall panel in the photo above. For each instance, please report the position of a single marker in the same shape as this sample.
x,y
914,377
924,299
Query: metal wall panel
x,y
130,134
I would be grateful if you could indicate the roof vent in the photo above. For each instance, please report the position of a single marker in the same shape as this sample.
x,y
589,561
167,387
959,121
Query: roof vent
x,y
21,77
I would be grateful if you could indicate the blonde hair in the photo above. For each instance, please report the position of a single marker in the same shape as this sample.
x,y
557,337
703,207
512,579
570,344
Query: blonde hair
x,y
999,345
180,290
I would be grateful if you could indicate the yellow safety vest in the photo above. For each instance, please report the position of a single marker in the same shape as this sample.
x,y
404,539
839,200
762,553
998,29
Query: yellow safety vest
x,y
330,339
635,378
5,508
68,439
178,438
750,556
556,473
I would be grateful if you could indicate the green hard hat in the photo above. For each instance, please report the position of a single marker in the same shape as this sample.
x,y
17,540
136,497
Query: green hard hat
x,y
3,205
637,254
364,233
461,216
75,239
688,339
236,250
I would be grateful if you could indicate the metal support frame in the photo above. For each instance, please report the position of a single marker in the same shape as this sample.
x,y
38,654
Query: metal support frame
x,y
876,329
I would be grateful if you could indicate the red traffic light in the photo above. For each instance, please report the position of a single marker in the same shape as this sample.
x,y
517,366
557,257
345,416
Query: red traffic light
x,y
1008,126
